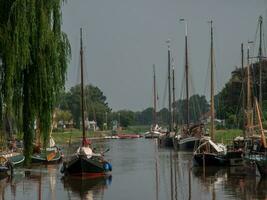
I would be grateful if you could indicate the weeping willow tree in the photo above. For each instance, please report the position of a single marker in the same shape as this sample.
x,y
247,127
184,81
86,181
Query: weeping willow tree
x,y
35,54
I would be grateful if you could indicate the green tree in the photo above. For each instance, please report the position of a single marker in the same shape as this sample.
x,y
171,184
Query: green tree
x,y
126,117
198,105
62,115
95,104
34,53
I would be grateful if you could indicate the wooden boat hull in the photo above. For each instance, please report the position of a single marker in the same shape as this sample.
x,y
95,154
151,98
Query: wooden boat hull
x,y
235,158
188,143
165,141
128,136
262,166
152,135
17,160
43,157
210,159
80,165
9,161
4,169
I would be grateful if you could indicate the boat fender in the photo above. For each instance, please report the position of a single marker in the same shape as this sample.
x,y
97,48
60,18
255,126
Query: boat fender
x,y
109,180
106,166
62,170
10,166
109,166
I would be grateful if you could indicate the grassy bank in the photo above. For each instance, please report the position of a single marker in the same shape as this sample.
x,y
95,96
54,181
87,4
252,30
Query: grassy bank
x,y
140,129
76,135
226,136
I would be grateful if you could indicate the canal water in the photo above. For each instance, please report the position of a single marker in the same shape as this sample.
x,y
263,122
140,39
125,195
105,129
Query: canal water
x,y
141,171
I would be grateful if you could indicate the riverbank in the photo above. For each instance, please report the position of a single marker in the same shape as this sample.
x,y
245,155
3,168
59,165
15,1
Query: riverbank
x,y
225,136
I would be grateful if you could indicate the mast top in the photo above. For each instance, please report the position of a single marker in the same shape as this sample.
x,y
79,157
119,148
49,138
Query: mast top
x,y
168,42
183,20
81,37
172,64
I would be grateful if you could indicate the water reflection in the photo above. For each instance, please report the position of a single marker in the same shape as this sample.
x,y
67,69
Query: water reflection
x,y
3,182
141,171
87,188
232,182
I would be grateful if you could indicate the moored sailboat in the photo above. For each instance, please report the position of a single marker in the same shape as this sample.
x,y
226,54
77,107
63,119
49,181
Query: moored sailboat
x,y
51,154
155,130
261,158
166,139
189,135
10,157
208,152
84,162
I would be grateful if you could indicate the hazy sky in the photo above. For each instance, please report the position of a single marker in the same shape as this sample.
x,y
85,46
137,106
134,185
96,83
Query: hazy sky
x,y
124,38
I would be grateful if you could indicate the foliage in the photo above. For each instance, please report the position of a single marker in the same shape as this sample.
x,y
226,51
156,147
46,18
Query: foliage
x,y
96,107
227,136
126,118
35,53
62,115
229,101
198,106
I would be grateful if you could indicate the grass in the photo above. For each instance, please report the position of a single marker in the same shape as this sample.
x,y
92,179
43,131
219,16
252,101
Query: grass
x,y
226,136
75,135
136,129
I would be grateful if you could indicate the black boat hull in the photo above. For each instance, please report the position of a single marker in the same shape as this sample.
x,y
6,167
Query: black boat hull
x,y
262,167
235,158
188,144
4,170
80,165
210,160
165,141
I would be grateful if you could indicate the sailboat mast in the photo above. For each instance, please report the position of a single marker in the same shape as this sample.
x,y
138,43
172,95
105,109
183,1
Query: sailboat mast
x,y
173,94
249,105
82,89
154,97
248,83
260,63
263,139
169,85
186,75
212,85
243,88
187,80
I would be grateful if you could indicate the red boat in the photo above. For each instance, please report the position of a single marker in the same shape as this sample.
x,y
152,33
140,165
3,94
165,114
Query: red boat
x,y
128,136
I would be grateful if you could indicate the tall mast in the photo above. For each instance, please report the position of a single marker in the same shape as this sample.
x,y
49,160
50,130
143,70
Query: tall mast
x,y
187,81
249,104
243,88
154,97
260,63
248,83
173,94
169,85
186,76
82,90
263,139
212,82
